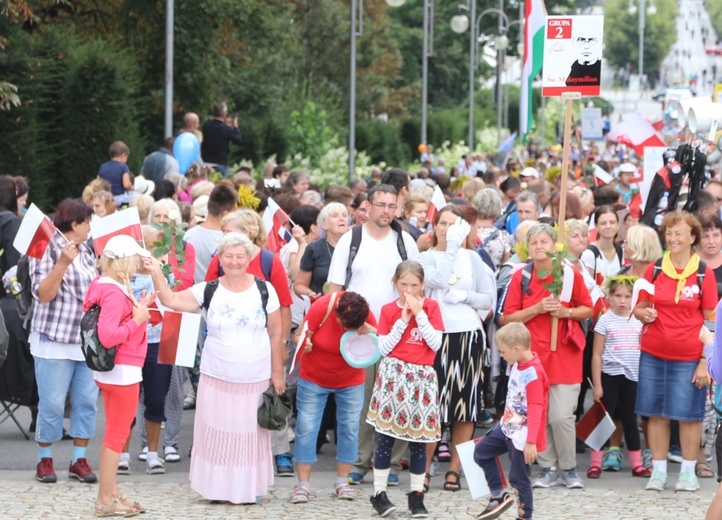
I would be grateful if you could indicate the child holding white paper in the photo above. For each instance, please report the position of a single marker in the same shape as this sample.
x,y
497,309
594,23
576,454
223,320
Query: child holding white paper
x,y
522,429
615,371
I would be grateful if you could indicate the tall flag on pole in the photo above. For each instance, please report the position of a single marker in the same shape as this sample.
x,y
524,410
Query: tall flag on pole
x,y
535,13
34,234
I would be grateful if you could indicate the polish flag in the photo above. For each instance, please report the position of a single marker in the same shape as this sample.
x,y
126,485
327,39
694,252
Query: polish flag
x,y
126,222
274,219
438,201
601,177
641,285
599,301
596,427
635,131
300,348
178,338
34,234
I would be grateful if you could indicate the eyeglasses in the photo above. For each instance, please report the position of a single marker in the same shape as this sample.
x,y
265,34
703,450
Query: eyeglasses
x,y
583,42
391,207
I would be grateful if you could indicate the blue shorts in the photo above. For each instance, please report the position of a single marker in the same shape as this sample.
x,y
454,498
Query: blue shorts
x,y
665,389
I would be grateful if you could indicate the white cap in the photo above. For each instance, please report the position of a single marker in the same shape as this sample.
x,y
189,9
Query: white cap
x,y
124,246
143,186
200,208
627,167
530,172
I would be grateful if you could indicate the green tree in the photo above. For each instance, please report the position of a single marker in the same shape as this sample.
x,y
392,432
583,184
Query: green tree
x,y
621,35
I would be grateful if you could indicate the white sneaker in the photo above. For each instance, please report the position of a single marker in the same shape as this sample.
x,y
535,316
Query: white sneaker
x,y
687,482
171,454
143,455
123,467
155,467
547,478
658,481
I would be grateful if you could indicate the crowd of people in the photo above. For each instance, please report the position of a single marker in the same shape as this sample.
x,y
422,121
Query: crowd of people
x,y
459,299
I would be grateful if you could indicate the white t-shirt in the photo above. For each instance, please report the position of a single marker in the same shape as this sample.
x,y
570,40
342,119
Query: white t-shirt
x,y
621,345
205,241
237,348
300,306
373,268
605,267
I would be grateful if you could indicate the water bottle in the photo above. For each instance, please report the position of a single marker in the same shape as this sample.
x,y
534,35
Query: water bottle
x,y
661,209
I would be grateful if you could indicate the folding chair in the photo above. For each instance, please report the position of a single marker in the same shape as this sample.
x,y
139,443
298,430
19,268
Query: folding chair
x,y
8,412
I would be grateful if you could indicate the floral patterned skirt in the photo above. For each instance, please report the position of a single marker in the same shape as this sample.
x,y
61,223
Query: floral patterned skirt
x,y
405,402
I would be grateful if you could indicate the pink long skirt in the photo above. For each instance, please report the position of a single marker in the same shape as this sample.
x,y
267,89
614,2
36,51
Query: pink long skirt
x,y
231,453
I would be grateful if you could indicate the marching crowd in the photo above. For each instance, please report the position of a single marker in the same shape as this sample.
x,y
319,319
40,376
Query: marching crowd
x,y
461,309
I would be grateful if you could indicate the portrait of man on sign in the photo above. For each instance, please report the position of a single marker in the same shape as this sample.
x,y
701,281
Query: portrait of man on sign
x,y
587,68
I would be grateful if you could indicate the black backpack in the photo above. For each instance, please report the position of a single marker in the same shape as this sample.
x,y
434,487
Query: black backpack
x,y
211,287
24,299
598,254
97,357
357,234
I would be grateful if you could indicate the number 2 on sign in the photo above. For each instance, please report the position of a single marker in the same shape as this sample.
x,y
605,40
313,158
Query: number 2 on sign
x,y
560,32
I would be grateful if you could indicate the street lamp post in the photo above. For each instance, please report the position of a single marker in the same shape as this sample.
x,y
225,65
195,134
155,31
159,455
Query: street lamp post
x,y
643,11
459,24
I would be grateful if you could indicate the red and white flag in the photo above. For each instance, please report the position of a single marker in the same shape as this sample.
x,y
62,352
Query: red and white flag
x,y
601,176
274,219
641,285
178,338
635,131
300,348
34,234
438,202
596,427
126,222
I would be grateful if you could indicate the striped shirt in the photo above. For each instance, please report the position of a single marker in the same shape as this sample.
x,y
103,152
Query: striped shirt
x,y
59,318
621,345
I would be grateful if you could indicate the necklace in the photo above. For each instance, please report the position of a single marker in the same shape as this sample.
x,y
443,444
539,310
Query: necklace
x,y
329,249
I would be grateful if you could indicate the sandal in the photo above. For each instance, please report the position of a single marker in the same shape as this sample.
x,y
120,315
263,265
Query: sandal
x,y
115,508
427,482
641,471
444,455
451,485
702,470
135,505
594,472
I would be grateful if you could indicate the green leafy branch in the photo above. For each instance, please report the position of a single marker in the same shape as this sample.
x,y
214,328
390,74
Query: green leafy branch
x,y
556,271
171,239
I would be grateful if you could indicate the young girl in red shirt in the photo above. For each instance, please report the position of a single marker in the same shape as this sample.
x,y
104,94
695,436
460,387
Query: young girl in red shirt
x,y
405,400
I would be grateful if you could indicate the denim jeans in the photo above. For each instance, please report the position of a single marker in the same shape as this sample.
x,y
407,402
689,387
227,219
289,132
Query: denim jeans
x,y
55,377
311,402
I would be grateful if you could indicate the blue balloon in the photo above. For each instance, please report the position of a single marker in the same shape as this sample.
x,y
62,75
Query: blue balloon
x,y
186,149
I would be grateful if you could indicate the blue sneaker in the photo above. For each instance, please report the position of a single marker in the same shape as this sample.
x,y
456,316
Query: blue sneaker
x,y
612,460
393,480
355,478
675,454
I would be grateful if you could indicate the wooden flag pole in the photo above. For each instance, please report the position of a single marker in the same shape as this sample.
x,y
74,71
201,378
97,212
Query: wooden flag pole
x,y
569,97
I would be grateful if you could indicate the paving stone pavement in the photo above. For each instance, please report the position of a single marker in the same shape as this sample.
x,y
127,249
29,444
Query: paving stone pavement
x,y
25,499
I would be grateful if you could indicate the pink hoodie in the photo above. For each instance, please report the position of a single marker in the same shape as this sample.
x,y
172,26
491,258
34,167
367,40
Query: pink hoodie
x,y
116,327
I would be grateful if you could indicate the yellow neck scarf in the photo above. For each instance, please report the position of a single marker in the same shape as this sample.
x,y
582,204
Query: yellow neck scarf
x,y
689,270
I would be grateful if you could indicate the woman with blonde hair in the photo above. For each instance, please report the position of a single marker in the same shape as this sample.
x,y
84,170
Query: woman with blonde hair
x,y
122,324
103,203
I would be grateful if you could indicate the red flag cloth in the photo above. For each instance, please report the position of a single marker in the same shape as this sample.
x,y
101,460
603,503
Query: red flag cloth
x,y
635,131
125,222
438,202
274,220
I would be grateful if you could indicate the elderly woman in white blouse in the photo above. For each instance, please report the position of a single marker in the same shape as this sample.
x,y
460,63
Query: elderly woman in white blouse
x,y
464,287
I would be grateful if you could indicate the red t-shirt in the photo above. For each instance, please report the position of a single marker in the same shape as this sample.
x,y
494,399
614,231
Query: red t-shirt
x,y
674,334
412,347
279,279
564,366
324,365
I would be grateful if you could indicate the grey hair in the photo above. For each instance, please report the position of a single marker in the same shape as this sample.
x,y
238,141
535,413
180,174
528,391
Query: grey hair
x,y
526,196
174,212
234,239
488,203
311,197
538,229
327,209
